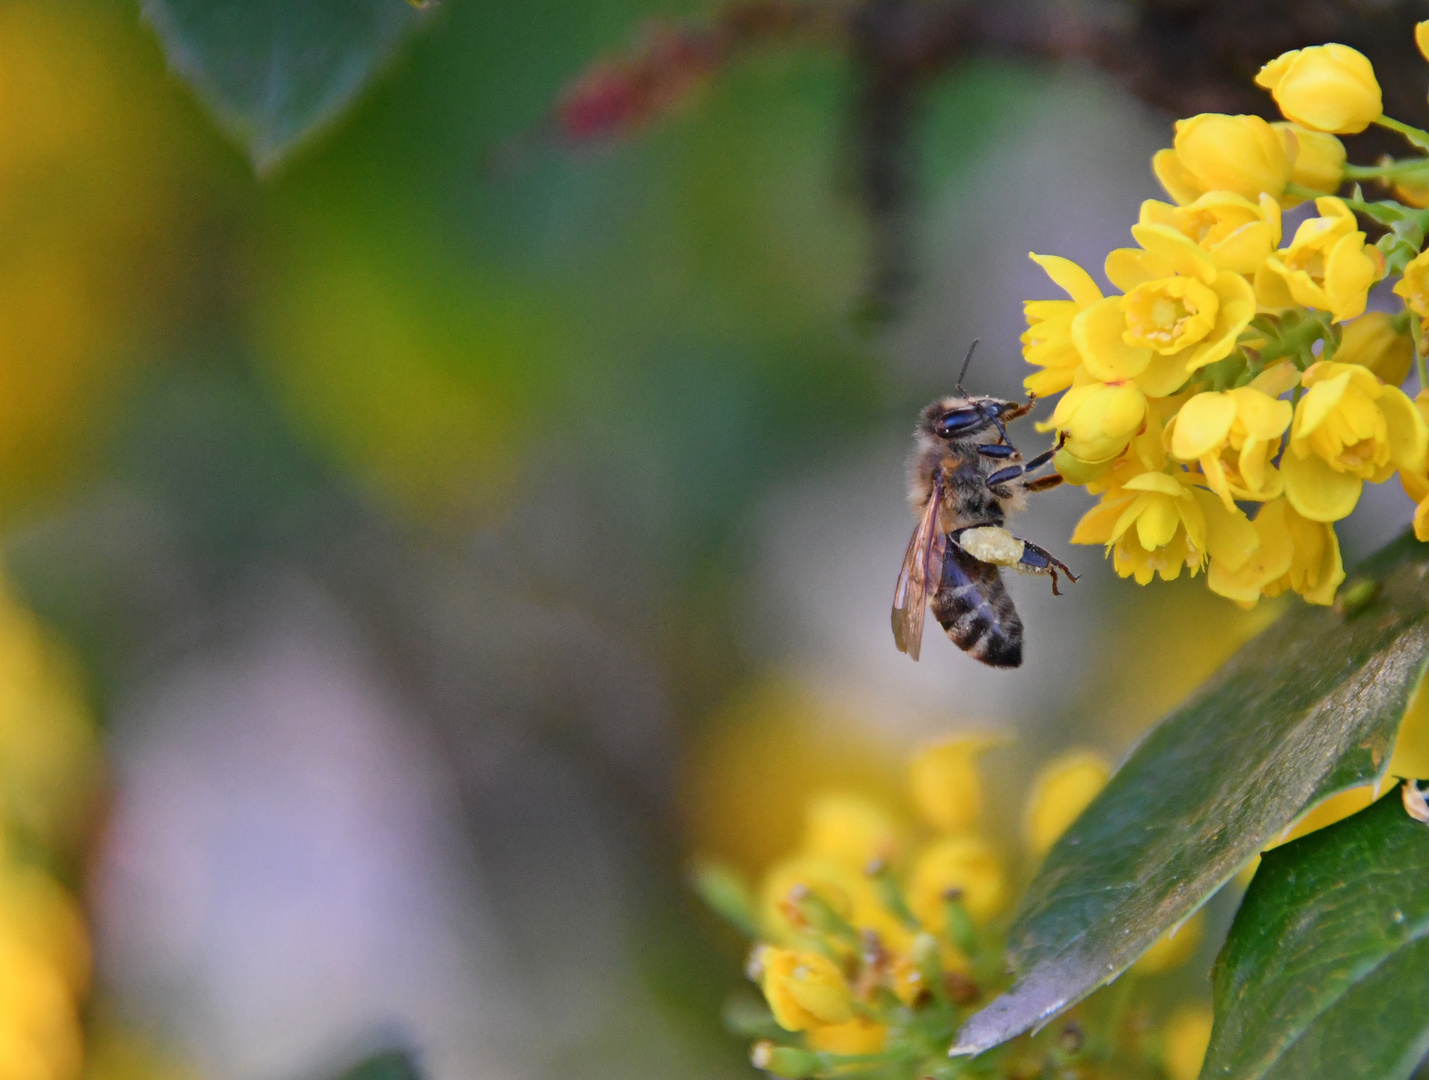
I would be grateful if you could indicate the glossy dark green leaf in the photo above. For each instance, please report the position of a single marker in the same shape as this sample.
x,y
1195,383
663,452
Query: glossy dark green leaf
x,y
275,71
1309,708
1326,969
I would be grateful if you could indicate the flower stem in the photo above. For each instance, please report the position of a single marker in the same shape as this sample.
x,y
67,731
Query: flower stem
x,y
1415,136
1394,168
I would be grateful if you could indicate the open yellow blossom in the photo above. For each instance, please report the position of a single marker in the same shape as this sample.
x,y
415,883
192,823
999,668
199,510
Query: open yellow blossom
x,y
1414,285
1233,435
1348,428
857,1036
1374,341
849,829
944,782
1236,233
1317,158
804,989
1178,305
1216,152
1160,523
1269,562
1325,87
1062,790
1327,266
967,864
1047,341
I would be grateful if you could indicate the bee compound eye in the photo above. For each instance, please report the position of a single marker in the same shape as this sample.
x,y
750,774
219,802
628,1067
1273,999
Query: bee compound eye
x,y
959,422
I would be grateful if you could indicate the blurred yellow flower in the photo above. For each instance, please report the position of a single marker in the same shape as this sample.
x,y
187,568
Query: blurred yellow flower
x,y
804,989
1373,341
1318,158
1328,266
1047,341
1411,748
1188,1035
847,891
1233,435
1061,791
967,864
856,1036
849,829
1174,948
1421,38
1348,428
1236,233
944,782
1324,87
1216,152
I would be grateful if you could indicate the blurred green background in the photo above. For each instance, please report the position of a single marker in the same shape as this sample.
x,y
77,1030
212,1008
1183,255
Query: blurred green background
x,y
449,551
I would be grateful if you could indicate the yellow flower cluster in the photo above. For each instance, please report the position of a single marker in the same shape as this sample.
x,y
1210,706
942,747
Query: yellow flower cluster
x,y
877,937
47,768
1230,399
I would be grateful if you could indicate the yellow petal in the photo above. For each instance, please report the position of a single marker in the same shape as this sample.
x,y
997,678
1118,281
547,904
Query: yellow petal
x,y
1230,536
1069,277
1174,177
1408,434
1177,250
1202,425
1097,332
1316,491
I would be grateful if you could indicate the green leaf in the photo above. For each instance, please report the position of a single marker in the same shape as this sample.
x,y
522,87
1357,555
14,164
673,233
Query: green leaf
x,y
1326,969
1309,708
275,71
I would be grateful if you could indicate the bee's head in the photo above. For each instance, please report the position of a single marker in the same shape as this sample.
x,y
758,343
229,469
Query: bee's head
x,y
954,419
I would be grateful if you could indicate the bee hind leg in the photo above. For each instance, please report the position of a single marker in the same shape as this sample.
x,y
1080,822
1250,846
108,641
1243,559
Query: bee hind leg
x,y
1038,560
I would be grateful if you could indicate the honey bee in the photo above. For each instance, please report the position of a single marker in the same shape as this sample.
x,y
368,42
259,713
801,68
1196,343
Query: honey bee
x,y
965,479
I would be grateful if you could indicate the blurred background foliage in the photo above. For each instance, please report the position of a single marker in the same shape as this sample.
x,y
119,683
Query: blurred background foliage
x,y
447,535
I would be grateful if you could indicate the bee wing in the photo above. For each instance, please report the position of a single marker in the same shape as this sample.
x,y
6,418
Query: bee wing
x,y
920,577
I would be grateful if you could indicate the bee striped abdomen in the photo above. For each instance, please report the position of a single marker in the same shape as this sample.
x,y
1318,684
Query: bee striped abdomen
x,y
973,606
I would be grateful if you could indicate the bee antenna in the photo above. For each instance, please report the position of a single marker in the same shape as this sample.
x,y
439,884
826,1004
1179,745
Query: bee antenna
x,y
966,361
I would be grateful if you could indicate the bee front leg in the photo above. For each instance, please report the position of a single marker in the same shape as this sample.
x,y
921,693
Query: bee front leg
x,y
1012,472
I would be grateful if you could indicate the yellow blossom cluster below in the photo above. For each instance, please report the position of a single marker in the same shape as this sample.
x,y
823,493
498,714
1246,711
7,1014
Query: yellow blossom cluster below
x,y
1231,397
871,917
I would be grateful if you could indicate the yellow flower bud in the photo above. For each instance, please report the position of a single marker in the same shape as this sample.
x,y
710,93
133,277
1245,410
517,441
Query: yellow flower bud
x,y
1174,948
856,1036
1327,266
847,891
849,829
1325,87
1373,342
944,782
1348,428
1413,286
1421,38
965,863
1099,419
1216,152
1060,793
804,989
1318,158
1188,1035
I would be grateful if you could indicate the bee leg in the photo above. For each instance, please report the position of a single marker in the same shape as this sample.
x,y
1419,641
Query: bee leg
x,y
1039,560
1012,472
1043,483
997,450
1021,410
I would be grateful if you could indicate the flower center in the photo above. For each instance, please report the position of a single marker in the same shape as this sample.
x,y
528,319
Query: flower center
x,y
1357,455
1169,315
